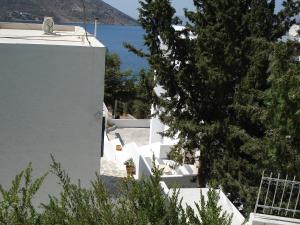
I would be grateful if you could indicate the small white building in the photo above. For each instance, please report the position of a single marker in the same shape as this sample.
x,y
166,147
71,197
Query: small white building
x,y
51,95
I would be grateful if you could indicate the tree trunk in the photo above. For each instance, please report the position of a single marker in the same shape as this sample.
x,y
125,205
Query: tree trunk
x,y
202,179
115,109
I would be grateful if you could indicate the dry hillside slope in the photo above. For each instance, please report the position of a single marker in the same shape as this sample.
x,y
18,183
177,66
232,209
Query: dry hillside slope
x,y
62,10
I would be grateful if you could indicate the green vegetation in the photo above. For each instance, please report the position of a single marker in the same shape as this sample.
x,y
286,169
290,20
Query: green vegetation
x,y
231,90
16,203
209,211
138,203
118,85
283,102
131,93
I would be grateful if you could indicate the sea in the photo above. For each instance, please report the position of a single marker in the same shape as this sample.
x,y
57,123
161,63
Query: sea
x,y
113,37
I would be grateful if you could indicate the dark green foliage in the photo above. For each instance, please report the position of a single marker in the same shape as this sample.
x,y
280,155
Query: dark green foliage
x,y
209,211
216,84
77,205
118,85
130,92
140,106
145,198
138,203
283,100
16,207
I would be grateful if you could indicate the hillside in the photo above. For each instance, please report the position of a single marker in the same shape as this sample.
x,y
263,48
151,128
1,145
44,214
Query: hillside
x,y
63,11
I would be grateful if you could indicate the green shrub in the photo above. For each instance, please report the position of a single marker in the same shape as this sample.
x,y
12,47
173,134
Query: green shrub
x,y
139,203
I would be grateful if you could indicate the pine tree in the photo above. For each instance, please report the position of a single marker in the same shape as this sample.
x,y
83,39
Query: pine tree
x,y
133,93
140,107
215,81
118,84
283,99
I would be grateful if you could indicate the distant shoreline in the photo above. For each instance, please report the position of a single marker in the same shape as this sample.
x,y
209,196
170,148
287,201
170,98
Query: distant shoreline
x,y
67,23
131,25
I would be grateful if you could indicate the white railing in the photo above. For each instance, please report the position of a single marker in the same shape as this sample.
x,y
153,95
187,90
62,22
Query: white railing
x,y
278,196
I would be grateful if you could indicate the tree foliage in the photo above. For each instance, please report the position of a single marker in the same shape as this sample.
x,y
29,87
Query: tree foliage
x,y
140,106
209,211
283,100
215,76
138,203
16,205
129,90
118,85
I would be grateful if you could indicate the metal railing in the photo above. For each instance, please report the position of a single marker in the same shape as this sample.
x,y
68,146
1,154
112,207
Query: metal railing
x,y
278,196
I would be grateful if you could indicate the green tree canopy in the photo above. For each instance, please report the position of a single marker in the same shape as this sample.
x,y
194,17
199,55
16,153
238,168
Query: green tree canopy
x,y
133,93
118,84
283,101
215,74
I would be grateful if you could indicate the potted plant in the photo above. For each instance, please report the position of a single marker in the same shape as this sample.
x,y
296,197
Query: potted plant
x,y
130,167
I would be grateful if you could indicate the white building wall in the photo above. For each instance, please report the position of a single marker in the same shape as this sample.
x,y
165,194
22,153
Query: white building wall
x,y
109,149
49,98
144,169
156,126
131,123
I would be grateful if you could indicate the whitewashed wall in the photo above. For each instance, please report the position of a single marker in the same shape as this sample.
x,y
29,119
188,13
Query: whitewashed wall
x,y
109,149
156,126
131,123
49,98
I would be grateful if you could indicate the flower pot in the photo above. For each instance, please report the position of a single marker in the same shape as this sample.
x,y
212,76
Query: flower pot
x,y
130,170
118,147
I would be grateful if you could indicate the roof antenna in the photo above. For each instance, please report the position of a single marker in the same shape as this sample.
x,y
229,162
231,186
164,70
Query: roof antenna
x,y
95,28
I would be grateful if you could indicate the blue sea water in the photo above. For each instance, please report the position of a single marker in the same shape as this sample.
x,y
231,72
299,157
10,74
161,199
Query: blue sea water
x,y
113,37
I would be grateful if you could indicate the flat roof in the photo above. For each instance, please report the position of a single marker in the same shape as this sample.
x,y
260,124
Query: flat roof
x,y
140,136
29,33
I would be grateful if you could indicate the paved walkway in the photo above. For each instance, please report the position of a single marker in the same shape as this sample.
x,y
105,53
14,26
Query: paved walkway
x,y
111,175
110,168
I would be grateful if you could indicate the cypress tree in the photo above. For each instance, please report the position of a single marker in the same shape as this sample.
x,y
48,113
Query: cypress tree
x,y
214,74
283,100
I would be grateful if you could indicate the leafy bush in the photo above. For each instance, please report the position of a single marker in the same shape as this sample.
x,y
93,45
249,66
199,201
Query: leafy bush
x,y
16,203
139,203
209,211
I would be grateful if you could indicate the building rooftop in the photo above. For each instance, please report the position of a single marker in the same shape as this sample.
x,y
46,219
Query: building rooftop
x,y
140,136
28,33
